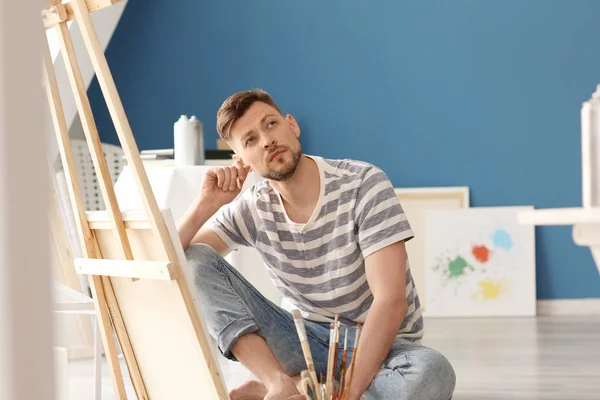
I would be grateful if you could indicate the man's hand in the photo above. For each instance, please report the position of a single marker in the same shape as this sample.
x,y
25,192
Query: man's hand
x,y
222,184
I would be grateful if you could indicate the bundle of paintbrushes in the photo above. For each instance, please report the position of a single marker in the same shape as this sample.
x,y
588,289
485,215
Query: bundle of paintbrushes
x,y
334,386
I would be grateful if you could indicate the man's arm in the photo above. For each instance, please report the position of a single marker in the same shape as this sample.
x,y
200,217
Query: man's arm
x,y
386,275
220,186
190,228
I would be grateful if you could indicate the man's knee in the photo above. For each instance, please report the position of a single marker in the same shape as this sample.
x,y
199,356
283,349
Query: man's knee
x,y
203,261
438,376
200,253
422,373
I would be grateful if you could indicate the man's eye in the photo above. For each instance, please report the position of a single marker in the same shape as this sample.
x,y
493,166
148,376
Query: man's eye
x,y
272,123
249,141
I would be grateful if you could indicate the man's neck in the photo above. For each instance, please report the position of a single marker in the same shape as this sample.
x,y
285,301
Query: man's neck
x,y
302,190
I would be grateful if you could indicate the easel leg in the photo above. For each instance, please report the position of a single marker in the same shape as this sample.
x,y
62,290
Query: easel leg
x,y
107,336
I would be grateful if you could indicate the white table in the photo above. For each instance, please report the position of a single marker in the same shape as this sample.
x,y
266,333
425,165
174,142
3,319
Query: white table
x,y
586,219
176,188
585,222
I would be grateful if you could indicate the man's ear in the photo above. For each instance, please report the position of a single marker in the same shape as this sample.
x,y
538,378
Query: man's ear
x,y
237,158
293,124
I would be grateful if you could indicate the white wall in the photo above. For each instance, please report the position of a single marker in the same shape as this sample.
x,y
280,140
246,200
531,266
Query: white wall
x,y
25,299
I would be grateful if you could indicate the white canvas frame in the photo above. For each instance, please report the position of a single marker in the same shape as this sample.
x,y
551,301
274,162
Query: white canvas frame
x,y
416,201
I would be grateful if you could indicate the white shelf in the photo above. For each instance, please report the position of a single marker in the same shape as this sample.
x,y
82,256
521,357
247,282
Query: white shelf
x,y
561,216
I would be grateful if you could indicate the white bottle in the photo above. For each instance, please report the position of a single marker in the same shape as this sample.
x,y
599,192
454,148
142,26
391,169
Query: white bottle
x,y
590,150
184,142
199,137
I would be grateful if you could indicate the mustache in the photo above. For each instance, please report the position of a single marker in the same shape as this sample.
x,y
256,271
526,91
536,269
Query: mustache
x,y
276,149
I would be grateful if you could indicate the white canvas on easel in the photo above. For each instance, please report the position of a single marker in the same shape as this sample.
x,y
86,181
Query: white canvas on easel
x,y
416,202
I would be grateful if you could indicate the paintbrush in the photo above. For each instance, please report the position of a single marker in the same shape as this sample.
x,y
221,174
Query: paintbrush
x,y
307,383
299,321
343,366
356,339
321,386
329,378
336,342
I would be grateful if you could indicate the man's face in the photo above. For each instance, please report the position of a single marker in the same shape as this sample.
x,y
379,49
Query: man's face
x,y
267,141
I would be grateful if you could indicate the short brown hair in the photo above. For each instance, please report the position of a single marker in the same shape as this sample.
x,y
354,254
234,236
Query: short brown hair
x,y
236,106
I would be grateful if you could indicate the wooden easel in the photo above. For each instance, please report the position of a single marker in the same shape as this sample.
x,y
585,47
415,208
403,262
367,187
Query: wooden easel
x,y
135,263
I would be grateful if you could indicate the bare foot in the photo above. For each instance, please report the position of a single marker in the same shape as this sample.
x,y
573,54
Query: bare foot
x,y
254,390
251,390
282,388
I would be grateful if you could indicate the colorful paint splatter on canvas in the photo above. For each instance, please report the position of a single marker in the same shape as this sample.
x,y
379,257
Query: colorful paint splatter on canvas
x,y
480,261
457,267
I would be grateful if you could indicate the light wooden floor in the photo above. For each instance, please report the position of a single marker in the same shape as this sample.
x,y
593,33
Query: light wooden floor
x,y
511,358
524,358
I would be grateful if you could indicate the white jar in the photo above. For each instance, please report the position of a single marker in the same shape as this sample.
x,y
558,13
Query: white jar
x,y
184,145
198,132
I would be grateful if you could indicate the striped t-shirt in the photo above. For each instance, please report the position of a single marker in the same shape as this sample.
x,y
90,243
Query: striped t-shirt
x,y
319,266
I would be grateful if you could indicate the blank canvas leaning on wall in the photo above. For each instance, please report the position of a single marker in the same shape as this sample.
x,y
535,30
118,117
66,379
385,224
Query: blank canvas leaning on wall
x,y
480,262
416,202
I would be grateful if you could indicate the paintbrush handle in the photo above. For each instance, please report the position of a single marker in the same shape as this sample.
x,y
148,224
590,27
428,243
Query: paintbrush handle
x,y
300,328
307,356
303,337
349,386
343,374
356,339
306,383
336,343
329,377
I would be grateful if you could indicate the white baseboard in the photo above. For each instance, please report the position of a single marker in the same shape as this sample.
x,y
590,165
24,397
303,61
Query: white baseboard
x,y
569,307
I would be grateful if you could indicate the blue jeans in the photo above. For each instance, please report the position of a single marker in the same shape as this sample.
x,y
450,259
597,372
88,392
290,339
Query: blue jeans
x,y
233,307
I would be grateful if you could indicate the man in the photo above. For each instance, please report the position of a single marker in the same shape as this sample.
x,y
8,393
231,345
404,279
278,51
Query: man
x,y
332,234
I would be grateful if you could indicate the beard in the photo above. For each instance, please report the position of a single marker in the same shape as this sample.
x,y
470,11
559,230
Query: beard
x,y
287,170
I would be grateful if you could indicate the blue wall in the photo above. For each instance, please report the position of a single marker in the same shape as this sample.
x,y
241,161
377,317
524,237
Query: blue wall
x,y
477,93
